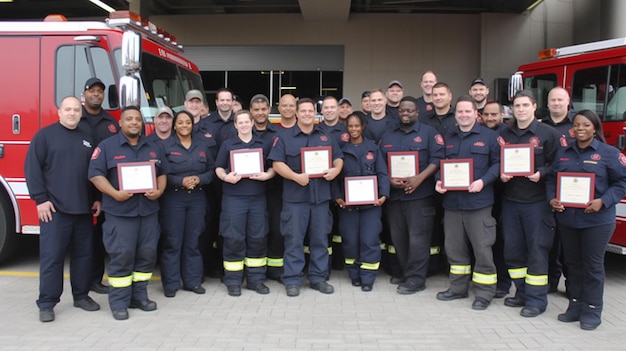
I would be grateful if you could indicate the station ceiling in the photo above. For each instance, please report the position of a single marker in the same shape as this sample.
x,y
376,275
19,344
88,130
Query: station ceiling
x,y
313,10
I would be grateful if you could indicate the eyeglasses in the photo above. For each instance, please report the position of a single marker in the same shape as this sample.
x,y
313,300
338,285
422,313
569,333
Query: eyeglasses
x,y
406,111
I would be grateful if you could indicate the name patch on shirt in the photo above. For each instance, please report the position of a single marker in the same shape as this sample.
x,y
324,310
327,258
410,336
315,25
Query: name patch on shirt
x,y
175,153
86,144
120,157
479,143
590,162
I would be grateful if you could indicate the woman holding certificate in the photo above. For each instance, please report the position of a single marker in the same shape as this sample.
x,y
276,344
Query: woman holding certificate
x,y
360,191
183,207
589,180
243,168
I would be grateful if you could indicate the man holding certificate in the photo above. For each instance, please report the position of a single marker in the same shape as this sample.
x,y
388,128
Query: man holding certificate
x,y
467,222
410,208
308,159
528,223
131,174
589,180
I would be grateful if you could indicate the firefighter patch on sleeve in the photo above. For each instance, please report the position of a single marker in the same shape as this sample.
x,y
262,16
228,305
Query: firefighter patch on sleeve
x,y
501,141
622,159
563,142
439,139
95,153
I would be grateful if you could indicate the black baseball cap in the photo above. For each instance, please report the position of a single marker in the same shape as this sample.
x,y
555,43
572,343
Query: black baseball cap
x,y
93,81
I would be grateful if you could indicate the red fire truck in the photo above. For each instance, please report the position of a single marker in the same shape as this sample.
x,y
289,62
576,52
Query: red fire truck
x,y
594,74
42,62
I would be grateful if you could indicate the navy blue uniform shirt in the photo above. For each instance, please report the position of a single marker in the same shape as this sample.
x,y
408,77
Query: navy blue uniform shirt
x,y
364,159
183,162
564,127
115,150
209,128
286,148
444,124
429,145
56,168
481,145
339,132
245,186
609,166
546,141
375,128
101,126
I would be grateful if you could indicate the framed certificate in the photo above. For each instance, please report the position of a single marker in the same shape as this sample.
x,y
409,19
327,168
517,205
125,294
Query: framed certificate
x,y
361,190
246,162
403,164
136,177
316,160
457,174
517,159
575,189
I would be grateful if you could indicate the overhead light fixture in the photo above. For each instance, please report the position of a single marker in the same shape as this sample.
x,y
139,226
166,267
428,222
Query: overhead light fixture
x,y
533,5
102,5
6,0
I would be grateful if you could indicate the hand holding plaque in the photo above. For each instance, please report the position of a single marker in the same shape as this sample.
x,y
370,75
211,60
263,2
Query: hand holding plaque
x,y
316,160
457,174
403,164
517,159
246,162
136,177
575,189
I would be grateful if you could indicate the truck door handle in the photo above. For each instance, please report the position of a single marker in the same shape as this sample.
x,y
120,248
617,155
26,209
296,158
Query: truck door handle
x,y
16,124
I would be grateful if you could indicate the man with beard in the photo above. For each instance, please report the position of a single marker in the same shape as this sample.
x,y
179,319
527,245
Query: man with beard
x,y
410,208
479,93
132,222
101,125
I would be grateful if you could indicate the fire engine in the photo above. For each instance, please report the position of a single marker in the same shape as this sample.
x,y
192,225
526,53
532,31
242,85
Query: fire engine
x,y
594,74
42,62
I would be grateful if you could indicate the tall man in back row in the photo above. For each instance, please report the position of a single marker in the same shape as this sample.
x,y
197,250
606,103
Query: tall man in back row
x,y
305,200
56,174
131,228
100,125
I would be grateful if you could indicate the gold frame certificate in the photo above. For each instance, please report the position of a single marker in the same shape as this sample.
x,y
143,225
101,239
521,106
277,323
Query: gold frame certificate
x,y
457,174
517,159
136,177
403,164
316,160
246,162
575,189
361,190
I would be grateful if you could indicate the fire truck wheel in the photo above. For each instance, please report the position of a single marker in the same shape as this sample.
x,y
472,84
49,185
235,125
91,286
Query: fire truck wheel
x,y
8,238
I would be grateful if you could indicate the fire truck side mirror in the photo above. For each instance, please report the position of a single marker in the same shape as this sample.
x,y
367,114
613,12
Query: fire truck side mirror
x,y
515,84
129,91
621,142
113,97
131,52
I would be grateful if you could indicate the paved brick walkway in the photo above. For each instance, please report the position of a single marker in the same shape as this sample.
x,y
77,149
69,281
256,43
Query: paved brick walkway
x,y
346,320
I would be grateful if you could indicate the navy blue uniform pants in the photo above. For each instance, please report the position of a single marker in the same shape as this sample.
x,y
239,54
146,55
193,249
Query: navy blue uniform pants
x,y
583,253
275,240
296,221
528,230
65,232
244,226
182,223
131,243
466,233
411,227
360,228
